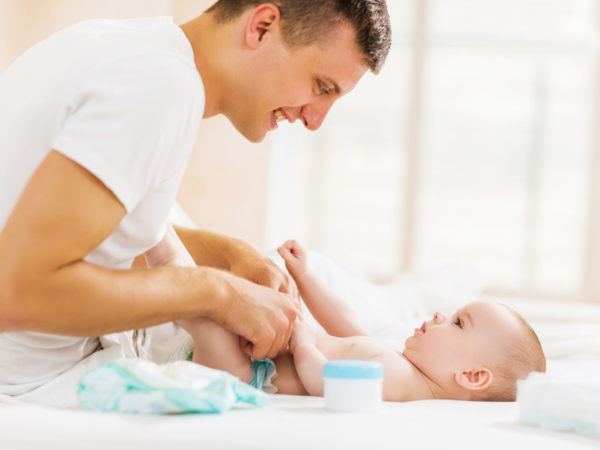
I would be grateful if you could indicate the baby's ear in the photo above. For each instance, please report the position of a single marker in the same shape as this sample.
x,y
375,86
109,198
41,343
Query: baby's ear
x,y
474,379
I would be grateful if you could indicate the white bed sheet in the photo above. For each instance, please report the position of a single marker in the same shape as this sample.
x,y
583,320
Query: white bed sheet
x,y
290,422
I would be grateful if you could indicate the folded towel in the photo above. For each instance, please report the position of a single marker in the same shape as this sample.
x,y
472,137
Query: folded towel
x,y
563,400
143,387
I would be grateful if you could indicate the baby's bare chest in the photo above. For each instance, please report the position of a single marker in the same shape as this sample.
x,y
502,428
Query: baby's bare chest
x,y
357,347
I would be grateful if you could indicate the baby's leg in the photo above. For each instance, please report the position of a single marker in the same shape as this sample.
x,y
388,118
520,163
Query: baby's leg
x,y
214,346
217,347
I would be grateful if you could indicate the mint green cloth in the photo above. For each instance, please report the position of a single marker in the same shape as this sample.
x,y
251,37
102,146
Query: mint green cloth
x,y
143,387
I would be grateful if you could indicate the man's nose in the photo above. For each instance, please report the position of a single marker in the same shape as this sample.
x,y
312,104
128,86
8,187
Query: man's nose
x,y
313,115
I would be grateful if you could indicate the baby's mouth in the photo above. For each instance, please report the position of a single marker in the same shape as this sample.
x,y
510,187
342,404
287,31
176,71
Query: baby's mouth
x,y
422,329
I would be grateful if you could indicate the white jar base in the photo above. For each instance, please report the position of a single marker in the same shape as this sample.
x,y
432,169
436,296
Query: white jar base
x,y
352,395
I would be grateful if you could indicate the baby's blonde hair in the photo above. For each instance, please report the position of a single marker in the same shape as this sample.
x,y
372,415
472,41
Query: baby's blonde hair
x,y
521,359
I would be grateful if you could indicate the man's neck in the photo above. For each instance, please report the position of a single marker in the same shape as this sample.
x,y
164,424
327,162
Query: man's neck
x,y
208,43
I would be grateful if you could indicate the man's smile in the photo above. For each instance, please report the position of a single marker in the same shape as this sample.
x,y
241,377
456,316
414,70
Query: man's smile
x,y
279,115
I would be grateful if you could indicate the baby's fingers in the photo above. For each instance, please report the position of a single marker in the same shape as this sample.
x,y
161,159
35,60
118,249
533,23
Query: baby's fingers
x,y
285,253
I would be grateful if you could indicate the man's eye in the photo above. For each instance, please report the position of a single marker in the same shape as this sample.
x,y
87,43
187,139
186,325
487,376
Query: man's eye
x,y
324,89
458,322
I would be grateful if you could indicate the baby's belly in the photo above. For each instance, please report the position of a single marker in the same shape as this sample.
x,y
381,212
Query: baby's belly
x,y
359,347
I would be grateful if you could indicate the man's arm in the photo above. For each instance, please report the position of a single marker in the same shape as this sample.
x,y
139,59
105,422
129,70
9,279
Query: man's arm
x,y
236,256
46,286
330,310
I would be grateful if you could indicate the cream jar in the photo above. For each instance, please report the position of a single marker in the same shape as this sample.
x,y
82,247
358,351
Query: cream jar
x,y
353,385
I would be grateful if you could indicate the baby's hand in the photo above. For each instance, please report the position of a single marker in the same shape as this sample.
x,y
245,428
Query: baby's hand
x,y
302,334
295,258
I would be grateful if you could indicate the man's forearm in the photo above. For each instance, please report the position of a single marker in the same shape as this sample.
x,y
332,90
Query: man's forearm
x,y
210,249
86,300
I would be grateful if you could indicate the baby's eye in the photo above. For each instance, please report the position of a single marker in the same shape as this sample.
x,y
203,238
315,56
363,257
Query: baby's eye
x,y
458,322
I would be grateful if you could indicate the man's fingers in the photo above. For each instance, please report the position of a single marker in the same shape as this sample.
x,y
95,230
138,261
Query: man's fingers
x,y
288,286
258,353
279,281
270,343
246,346
266,322
259,348
286,336
278,345
289,334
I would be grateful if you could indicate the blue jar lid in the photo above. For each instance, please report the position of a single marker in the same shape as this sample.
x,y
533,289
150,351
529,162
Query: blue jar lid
x,y
353,369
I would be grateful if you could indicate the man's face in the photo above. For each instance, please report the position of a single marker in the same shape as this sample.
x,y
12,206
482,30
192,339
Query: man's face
x,y
301,83
476,335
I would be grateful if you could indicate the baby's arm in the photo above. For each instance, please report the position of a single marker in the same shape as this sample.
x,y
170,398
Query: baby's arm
x,y
331,311
308,359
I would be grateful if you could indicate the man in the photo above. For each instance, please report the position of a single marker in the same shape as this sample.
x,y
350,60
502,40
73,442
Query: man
x,y
97,123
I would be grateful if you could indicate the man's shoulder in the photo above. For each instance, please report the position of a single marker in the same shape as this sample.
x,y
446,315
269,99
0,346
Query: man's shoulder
x,y
157,77
154,43
124,27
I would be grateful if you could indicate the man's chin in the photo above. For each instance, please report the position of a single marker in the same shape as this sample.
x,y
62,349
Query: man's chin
x,y
253,135
256,139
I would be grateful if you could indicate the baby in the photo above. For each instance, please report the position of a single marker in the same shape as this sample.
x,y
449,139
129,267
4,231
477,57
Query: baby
x,y
477,353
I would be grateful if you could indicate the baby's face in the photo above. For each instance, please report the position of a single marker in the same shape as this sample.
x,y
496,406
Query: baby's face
x,y
476,335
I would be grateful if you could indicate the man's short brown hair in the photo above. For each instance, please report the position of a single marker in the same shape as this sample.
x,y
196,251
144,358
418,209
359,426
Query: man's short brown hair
x,y
305,22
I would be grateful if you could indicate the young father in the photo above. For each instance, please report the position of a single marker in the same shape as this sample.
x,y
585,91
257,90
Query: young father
x,y
97,123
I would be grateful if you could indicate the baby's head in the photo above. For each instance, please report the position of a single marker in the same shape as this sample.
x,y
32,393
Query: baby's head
x,y
477,353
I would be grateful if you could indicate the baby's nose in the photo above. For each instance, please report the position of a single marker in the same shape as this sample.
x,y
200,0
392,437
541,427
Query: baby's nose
x,y
439,317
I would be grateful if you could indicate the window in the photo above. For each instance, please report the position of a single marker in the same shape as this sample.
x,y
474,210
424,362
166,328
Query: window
x,y
473,145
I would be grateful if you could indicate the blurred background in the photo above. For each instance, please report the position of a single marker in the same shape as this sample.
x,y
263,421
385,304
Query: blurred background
x,y
476,144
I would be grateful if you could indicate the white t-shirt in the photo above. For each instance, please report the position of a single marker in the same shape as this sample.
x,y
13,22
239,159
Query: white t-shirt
x,y
122,98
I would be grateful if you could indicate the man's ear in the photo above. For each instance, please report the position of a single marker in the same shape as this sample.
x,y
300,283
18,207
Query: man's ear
x,y
263,21
474,379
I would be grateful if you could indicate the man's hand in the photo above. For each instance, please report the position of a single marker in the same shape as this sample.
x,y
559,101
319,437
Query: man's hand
x,y
263,318
236,256
253,266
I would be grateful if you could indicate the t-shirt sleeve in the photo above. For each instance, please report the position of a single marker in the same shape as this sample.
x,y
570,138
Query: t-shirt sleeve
x,y
131,122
